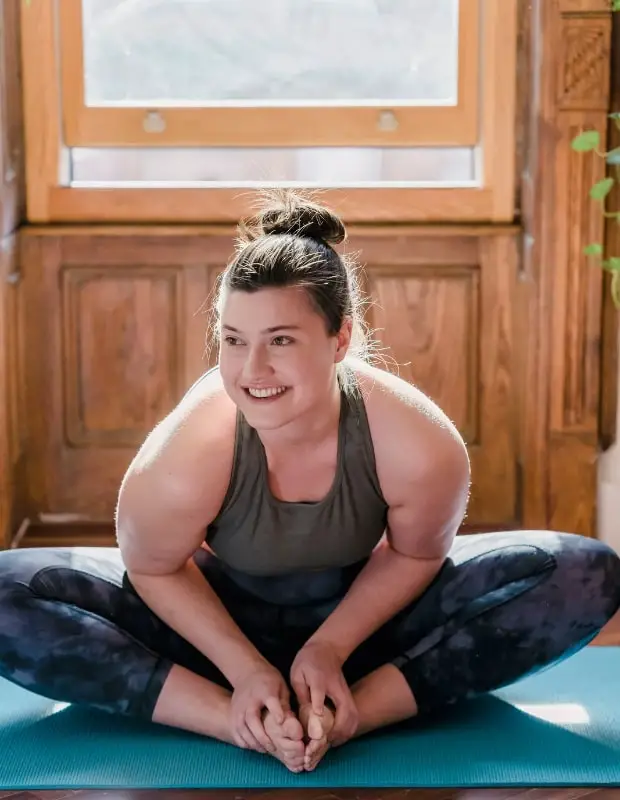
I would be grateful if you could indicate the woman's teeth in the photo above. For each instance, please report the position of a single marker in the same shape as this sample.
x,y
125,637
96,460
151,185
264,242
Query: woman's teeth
x,y
267,392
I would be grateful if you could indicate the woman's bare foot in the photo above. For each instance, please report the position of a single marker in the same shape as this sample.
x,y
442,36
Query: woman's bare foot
x,y
288,739
317,729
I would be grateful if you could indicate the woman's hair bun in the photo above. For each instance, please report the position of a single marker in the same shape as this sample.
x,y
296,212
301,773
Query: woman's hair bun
x,y
286,211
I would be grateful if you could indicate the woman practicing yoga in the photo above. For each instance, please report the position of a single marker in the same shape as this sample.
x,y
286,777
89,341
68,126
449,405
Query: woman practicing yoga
x,y
288,574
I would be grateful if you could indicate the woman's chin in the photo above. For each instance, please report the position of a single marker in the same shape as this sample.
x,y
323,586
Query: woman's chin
x,y
267,413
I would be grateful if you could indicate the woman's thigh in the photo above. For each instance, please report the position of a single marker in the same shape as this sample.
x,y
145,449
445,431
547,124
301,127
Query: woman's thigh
x,y
545,590
73,628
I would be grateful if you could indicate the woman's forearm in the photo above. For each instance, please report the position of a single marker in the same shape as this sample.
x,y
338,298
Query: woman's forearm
x,y
388,582
186,602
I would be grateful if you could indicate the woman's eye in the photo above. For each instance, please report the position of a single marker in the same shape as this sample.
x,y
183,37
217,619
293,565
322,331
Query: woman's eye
x,y
282,340
231,340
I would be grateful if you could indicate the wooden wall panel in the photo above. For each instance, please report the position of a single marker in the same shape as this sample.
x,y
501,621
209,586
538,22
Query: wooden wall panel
x,y
577,295
449,328
429,320
122,324
562,290
119,340
12,419
119,352
12,441
12,192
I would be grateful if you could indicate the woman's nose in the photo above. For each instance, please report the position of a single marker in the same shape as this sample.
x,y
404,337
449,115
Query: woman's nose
x,y
257,364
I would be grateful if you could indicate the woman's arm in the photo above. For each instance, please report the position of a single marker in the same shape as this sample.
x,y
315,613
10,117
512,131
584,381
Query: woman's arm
x,y
171,493
426,485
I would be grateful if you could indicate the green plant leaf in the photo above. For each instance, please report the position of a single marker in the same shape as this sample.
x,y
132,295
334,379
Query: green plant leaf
x,y
612,264
613,156
615,289
601,188
615,5
594,249
588,140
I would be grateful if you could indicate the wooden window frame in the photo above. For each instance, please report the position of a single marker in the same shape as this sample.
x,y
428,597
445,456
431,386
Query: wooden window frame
x,y
48,131
325,126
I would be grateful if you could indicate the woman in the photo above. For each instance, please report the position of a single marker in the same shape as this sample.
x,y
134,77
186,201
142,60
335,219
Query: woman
x,y
288,575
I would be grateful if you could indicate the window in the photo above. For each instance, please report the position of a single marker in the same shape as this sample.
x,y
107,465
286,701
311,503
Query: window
x,y
398,107
270,73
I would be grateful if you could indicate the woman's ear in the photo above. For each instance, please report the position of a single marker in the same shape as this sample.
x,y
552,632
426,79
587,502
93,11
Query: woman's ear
x,y
343,340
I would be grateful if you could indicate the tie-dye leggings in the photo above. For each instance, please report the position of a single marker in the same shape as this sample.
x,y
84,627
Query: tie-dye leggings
x,y
504,605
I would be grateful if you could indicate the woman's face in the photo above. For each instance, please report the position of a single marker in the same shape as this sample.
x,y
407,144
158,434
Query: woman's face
x,y
276,358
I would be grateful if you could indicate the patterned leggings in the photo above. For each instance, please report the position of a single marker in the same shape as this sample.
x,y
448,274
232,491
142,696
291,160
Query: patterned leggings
x,y
504,605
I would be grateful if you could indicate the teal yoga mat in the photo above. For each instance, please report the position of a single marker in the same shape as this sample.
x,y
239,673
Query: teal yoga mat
x,y
558,728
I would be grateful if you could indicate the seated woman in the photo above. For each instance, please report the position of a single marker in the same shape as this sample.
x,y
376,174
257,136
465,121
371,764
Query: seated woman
x,y
288,574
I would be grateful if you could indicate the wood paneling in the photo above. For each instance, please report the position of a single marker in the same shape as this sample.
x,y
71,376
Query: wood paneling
x,y
12,433
12,421
12,194
561,291
120,338
122,327
446,322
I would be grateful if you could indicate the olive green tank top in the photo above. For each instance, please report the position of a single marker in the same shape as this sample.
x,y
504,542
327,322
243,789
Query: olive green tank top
x,y
258,534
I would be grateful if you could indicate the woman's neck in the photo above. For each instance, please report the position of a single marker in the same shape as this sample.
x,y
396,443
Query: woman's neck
x,y
312,428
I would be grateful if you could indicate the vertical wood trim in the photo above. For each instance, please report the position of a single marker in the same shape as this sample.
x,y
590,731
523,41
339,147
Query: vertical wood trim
x,y
562,290
41,106
499,76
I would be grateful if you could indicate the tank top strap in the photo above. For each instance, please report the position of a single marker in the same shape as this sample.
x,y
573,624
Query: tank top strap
x,y
245,477
361,462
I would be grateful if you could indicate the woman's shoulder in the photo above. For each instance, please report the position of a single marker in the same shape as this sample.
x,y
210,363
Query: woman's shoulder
x,y
195,439
404,420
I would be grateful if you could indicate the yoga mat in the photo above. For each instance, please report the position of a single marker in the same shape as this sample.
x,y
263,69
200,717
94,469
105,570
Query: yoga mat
x,y
560,727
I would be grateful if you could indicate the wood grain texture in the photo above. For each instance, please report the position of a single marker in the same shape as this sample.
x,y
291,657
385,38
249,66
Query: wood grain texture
x,y
120,337
561,295
12,184
547,793
12,434
12,419
609,327
122,333
51,198
277,125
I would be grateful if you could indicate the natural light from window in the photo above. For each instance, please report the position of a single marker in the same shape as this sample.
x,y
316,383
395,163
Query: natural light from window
x,y
345,52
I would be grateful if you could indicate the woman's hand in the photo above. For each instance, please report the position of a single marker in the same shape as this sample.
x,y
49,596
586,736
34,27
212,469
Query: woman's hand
x,y
263,688
316,674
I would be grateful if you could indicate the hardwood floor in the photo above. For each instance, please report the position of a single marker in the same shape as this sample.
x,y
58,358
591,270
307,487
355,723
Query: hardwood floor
x,y
317,794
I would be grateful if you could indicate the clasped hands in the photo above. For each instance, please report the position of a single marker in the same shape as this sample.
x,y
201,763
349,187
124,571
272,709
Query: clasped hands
x,y
262,719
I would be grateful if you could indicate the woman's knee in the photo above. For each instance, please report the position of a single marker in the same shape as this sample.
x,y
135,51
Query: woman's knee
x,y
589,571
19,567
61,573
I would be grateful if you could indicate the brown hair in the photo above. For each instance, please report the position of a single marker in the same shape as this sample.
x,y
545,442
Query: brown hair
x,y
289,243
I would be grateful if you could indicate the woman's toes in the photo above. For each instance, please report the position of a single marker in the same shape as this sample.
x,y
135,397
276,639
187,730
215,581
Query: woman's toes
x,y
291,728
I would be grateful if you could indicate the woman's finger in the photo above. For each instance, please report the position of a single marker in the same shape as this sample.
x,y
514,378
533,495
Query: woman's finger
x,y
258,731
244,733
250,740
300,687
276,707
317,697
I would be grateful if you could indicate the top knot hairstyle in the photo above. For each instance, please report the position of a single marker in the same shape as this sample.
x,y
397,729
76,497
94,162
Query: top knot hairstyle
x,y
289,243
